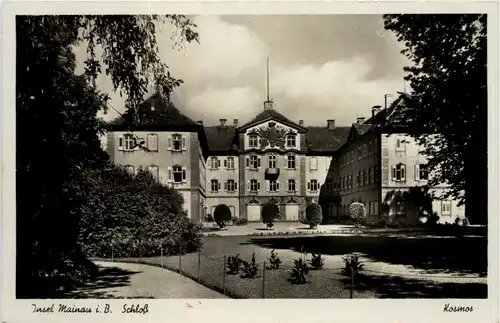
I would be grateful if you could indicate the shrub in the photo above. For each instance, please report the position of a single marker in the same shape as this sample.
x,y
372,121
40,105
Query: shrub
x,y
274,261
314,215
234,219
233,264
209,218
250,269
316,261
133,215
302,217
222,214
352,261
242,222
270,212
299,273
357,212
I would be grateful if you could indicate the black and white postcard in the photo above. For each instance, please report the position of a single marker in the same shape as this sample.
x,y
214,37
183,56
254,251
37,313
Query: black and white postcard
x,y
282,161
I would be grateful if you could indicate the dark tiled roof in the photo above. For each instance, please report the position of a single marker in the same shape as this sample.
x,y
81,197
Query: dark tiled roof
x,y
221,138
163,114
322,139
362,128
268,114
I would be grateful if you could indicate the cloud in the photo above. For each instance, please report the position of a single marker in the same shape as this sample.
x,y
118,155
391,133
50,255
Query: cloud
x,y
321,67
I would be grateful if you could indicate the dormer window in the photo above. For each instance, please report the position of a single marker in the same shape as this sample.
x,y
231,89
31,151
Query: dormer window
x,y
290,140
253,141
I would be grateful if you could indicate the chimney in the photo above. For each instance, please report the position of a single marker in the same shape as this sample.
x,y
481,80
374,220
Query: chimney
x,y
268,105
360,120
223,122
200,122
330,124
235,122
301,123
388,99
375,110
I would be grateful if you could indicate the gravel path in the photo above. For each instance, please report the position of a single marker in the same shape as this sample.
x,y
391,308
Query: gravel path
x,y
124,280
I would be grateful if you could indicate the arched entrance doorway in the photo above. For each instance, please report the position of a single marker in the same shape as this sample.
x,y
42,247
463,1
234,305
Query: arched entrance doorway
x,y
253,211
292,210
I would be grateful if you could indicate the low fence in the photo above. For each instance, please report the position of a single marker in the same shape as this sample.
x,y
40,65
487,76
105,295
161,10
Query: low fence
x,y
327,282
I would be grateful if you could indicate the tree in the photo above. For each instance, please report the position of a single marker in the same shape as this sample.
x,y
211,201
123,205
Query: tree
x,y
57,128
270,212
449,96
222,214
357,212
314,214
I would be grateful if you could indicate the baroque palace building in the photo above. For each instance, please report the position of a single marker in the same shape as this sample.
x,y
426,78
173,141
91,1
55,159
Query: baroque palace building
x,y
274,159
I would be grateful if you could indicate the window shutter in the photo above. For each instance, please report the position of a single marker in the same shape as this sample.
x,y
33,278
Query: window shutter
x,y
170,174
184,174
225,163
267,186
248,162
248,186
183,143
120,143
277,186
393,173
218,163
258,186
258,162
417,173
308,186
169,143
225,186
403,173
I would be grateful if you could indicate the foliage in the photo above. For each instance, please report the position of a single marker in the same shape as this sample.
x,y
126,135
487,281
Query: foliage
x,y
274,261
302,217
233,264
299,272
222,214
61,108
209,218
352,265
234,219
135,212
270,212
448,79
241,222
316,261
357,212
250,269
314,214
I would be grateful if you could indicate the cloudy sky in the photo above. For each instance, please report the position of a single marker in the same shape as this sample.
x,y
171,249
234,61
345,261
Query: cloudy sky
x,y
321,67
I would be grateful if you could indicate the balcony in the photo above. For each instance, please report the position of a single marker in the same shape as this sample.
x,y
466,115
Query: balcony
x,y
272,173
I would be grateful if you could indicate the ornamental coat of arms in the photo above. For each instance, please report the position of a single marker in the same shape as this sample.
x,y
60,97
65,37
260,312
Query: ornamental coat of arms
x,y
272,135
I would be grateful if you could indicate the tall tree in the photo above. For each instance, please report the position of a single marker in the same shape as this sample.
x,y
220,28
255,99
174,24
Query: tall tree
x,y
57,128
449,83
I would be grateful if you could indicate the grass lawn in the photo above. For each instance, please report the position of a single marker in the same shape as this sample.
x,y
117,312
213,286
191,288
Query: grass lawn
x,y
398,266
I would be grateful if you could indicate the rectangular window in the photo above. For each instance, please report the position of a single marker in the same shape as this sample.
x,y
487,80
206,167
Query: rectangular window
x,y
313,186
329,184
445,207
254,186
178,143
291,162
399,173
314,163
290,141
274,186
127,142
153,169
253,162
421,172
375,207
400,144
360,152
230,163
177,174
253,141
272,161
370,175
214,185
365,150
365,177
214,163
370,148
230,185
153,142
291,185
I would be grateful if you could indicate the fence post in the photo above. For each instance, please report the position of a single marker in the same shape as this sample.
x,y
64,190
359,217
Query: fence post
x,y
199,263
352,282
264,280
161,254
180,258
224,276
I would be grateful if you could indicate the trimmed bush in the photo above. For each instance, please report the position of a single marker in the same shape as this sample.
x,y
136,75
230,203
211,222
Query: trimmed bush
x,y
270,212
357,212
314,215
133,215
222,214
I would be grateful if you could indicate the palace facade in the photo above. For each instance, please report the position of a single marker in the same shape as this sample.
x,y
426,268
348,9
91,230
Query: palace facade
x,y
273,158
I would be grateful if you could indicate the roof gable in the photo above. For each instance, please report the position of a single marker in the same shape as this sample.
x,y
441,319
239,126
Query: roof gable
x,y
271,114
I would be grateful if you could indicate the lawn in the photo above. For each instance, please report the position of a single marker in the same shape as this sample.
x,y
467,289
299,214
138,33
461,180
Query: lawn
x,y
398,266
